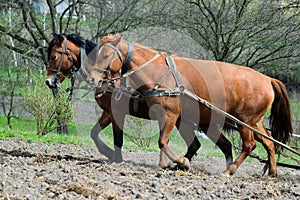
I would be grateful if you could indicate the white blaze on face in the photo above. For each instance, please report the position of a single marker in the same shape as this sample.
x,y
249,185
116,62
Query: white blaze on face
x,y
100,51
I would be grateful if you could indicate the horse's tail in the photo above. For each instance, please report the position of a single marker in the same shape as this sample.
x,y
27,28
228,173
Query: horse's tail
x,y
280,118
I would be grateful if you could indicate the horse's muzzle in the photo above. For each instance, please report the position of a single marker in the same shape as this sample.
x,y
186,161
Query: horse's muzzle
x,y
94,82
52,82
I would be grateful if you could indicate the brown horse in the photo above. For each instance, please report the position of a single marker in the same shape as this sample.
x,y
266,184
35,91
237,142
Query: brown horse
x,y
66,54
166,82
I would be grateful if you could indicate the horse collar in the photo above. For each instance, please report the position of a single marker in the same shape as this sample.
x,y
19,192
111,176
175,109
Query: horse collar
x,y
126,64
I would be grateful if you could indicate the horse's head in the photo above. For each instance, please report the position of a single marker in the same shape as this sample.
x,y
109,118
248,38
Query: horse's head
x,y
109,61
62,58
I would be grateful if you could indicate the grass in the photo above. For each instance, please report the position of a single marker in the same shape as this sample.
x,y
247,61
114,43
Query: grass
x,y
24,128
295,110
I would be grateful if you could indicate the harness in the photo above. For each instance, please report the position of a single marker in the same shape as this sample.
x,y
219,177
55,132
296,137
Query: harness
x,y
157,91
125,87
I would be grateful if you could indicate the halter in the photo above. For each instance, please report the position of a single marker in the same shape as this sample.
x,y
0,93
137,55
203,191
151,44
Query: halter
x,y
62,52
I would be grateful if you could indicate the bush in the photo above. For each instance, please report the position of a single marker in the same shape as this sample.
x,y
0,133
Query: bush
x,y
140,131
46,109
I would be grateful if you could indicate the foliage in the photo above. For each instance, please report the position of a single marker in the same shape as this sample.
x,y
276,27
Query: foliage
x,y
140,131
46,108
11,82
263,35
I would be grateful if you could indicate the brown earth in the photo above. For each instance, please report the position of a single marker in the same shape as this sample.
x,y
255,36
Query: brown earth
x,y
46,171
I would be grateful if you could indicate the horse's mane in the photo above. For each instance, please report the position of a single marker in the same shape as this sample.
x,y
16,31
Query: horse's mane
x,y
113,37
109,38
138,45
74,38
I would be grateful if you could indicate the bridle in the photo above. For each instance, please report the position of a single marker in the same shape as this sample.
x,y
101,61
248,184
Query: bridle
x,y
124,73
63,52
118,53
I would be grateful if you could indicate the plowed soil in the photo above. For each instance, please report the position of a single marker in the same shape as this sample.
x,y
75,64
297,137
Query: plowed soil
x,y
46,171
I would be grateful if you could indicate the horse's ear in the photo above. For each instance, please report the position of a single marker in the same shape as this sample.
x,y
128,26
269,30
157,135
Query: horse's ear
x,y
55,35
118,38
59,39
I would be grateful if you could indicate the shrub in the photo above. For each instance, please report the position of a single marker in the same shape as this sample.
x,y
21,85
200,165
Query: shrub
x,y
46,109
140,131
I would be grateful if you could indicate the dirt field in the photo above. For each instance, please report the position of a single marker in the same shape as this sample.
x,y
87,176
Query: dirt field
x,y
44,171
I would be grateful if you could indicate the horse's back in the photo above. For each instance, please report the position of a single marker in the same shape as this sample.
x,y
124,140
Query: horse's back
x,y
238,90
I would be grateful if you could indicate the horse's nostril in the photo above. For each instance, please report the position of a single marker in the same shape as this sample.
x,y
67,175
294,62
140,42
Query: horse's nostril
x,y
48,83
92,80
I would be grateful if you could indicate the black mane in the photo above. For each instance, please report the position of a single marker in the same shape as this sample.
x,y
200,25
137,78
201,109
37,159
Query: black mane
x,y
74,38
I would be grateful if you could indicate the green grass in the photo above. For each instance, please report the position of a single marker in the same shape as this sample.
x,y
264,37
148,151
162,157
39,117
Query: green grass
x,y
295,109
24,128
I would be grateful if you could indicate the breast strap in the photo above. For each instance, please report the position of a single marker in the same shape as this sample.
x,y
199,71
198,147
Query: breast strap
x,y
157,91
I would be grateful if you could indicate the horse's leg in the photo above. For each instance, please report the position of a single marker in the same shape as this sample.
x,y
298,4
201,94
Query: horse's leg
x,y
103,122
269,146
217,136
248,144
170,121
118,141
187,132
226,147
163,160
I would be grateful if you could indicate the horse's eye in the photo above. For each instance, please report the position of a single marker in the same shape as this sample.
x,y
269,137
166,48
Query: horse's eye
x,y
105,56
53,58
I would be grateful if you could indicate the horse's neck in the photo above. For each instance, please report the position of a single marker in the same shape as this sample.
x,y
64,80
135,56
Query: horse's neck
x,y
141,55
90,46
141,67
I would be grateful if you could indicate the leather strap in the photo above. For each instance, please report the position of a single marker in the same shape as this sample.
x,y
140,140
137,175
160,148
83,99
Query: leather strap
x,y
126,64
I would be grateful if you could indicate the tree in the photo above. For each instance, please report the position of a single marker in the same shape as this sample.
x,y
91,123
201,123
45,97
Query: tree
x,y
10,86
33,22
259,34
38,21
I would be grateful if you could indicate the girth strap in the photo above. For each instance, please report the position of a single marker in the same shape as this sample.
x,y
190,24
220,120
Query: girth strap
x,y
173,70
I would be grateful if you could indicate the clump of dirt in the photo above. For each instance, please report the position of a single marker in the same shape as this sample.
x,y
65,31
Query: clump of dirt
x,y
46,171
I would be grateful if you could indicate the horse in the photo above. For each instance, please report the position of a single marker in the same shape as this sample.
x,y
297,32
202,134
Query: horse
x,y
167,82
67,54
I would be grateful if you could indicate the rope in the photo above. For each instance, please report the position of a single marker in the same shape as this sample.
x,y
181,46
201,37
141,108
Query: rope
x,y
209,105
254,155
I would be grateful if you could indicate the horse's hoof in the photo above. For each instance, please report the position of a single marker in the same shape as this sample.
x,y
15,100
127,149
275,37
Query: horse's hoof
x,y
185,165
273,175
118,160
225,174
